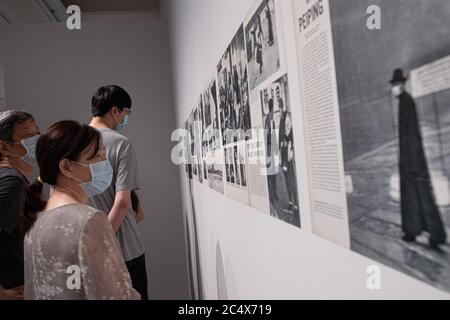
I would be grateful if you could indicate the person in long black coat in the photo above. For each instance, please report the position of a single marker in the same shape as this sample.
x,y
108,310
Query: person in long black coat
x,y
269,128
270,25
286,142
419,210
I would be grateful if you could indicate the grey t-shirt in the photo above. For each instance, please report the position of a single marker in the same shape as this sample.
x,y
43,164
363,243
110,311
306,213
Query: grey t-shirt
x,y
120,153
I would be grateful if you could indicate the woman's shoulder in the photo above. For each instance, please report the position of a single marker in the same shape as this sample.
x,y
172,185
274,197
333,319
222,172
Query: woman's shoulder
x,y
89,219
95,225
90,213
71,221
79,214
91,210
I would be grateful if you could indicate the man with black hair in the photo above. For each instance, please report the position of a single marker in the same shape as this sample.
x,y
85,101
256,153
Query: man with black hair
x,y
111,108
18,137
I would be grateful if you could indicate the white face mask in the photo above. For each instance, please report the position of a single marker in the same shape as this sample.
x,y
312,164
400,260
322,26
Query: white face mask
x,y
397,90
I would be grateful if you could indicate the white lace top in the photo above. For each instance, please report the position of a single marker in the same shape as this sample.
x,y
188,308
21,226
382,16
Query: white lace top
x,y
71,253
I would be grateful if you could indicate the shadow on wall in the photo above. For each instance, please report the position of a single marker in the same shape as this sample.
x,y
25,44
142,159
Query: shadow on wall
x,y
222,293
195,272
226,281
224,272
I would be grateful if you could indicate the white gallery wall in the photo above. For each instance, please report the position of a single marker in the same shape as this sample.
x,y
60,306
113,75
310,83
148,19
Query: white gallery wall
x,y
52,73
245,254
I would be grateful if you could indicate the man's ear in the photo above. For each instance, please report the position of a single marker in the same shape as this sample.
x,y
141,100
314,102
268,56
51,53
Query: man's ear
x,y
65,168
115,110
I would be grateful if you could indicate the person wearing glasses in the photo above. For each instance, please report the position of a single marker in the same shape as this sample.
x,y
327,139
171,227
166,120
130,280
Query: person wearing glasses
x,y
111,109
18,137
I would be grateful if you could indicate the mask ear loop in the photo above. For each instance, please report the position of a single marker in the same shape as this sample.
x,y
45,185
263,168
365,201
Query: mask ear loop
x,y
15,154
117,122
86,165
115,119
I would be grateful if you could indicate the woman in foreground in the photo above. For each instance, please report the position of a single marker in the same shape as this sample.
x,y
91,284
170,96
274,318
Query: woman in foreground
x,y
71,251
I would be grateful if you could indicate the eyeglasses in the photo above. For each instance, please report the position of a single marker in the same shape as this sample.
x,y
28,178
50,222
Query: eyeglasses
x,y
128,112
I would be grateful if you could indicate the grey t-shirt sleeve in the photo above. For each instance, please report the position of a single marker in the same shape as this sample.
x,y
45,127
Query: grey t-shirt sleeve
x,y
127,169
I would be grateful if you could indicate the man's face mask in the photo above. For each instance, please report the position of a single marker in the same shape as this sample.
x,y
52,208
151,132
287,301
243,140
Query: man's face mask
x,y
397,90
30,145
123,125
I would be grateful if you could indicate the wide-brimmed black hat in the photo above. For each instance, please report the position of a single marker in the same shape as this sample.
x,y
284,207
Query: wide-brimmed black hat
x,y
398,76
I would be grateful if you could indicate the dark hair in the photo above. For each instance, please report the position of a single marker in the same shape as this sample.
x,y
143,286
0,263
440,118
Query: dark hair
x,y
63,140
8,121
134,201
108,97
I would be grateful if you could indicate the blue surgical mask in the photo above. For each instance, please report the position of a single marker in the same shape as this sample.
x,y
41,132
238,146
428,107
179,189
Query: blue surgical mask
x,y
30,145
102,174
123,125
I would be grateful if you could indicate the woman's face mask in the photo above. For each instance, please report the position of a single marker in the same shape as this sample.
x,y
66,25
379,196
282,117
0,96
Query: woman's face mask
x,y
102,174
30,146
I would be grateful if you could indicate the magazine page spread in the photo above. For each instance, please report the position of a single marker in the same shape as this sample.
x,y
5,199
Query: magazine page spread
x,y
321,116
375,86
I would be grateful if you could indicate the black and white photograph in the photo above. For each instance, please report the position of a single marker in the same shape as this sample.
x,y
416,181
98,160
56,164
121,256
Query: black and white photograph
x,y
204,120
215,171
205,113
198,139
230,173
262,40
229,166
235,166
188,151
194,166
225,94
238,157
205,171
241,163
234,99
211,128
280,155
394,102
191,143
